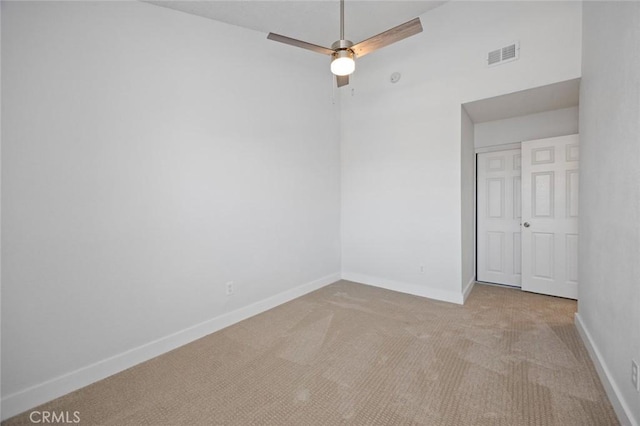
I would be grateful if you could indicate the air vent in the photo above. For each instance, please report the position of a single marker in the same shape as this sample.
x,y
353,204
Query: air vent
x,y
508,53
495,56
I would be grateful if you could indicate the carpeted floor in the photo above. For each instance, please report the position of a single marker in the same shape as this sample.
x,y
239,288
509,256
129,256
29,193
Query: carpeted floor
x,y
357,355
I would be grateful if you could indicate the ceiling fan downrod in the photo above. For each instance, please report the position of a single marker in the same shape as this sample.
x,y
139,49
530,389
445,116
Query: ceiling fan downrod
x,y
341,19
342,59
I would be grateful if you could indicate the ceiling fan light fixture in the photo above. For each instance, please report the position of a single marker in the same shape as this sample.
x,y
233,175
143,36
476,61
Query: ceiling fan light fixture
x,y
342,62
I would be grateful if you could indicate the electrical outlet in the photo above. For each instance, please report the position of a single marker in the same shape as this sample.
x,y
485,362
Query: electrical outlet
x,y
422,269
229,288
634,375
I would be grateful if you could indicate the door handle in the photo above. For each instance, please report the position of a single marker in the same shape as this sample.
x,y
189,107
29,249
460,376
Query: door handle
x,y
526,224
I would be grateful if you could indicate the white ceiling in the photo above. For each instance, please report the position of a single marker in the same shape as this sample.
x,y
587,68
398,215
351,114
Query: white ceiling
x,y
314,21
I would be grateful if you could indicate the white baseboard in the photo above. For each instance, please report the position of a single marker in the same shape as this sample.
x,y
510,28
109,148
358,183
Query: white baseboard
x,y
620,406
32,397
467,289
414,289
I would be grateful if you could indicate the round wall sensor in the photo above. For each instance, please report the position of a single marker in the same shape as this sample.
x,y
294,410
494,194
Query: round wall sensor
x,y
395,77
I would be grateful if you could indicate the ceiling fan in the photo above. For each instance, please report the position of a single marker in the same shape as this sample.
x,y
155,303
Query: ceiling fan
x,y
343,52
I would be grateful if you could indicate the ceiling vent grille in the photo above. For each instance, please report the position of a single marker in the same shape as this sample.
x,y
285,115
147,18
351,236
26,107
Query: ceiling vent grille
x,y
505,54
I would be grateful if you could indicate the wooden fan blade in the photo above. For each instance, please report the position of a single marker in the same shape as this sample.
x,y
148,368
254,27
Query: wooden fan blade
x,y
381,40
300,43
342,80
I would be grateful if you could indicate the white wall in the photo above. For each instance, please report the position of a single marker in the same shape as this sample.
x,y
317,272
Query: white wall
x,y
401,151
147,161
468,202
548,124
609,262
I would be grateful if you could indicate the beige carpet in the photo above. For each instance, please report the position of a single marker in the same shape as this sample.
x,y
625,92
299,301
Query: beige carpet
x,y
358,355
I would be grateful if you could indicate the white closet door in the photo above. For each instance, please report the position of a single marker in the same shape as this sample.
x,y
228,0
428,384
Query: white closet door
x,y
550,216
499,214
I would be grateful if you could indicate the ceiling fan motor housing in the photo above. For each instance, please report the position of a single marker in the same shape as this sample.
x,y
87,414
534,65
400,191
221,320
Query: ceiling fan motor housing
x,y
342,45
